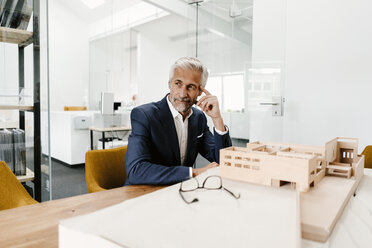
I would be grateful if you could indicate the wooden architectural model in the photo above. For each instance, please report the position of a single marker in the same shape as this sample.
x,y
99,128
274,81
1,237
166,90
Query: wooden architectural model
x,y
274,164
325,177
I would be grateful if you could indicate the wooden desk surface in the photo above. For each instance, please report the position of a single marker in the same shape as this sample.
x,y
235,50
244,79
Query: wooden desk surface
x,y
37,225
109,129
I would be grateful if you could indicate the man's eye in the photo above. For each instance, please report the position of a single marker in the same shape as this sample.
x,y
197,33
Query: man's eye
x,y
192,87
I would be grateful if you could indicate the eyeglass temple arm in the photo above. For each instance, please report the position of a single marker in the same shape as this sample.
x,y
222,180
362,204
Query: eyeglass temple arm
x,y
235,196
188,202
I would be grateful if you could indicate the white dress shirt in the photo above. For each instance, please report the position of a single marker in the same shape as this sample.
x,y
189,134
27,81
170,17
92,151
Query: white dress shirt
x,y
182,131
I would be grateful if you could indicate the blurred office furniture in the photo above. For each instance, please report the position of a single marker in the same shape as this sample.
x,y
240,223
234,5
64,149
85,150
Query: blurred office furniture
x,y
117,105
105,169
104,140
111,142
107,103
75,108
367,152
9,33
29,177
12,193
69,135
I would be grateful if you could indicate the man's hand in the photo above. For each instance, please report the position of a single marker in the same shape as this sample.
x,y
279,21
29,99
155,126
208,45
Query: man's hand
x,y
209,104
196,172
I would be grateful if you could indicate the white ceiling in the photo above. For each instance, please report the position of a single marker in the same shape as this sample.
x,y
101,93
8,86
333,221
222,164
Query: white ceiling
x,y
221,8
102,11
181,29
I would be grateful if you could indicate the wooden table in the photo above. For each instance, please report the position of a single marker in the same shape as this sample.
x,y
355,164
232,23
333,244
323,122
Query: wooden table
x,y
37,225
103,130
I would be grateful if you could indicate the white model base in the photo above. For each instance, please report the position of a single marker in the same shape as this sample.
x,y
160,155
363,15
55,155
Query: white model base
x,y
262,217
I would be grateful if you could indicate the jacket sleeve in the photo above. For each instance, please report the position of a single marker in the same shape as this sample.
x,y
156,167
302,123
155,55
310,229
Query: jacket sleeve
x,y
139,168
211,145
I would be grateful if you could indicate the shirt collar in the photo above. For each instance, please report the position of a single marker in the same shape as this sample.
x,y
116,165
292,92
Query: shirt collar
x,y
174,112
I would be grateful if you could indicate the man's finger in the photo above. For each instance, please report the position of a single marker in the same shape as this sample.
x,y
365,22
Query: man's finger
x,y
205,91
201,100
211,165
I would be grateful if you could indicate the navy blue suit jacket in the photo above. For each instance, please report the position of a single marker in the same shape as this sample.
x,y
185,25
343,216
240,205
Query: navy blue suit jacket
x,y
153,154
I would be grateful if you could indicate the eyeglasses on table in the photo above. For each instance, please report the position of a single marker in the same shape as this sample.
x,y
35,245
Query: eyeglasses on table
x,y
210,183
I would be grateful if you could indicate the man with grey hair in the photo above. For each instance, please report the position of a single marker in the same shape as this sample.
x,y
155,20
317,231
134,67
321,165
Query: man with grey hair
x,y
168,135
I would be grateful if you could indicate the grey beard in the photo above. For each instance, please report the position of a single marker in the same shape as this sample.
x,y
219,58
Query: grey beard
x,y
183,108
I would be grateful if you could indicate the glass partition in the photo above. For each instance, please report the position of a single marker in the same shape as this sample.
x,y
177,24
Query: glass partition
x,y
225,45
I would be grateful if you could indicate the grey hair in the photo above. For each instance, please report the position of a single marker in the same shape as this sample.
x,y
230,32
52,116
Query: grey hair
x,y
190,63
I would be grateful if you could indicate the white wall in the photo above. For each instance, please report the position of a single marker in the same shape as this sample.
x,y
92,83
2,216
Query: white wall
x,y
110,68
156,54
268,51
328,71
69,57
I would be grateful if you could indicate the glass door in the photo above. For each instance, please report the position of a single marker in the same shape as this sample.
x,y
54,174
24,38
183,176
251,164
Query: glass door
x,y
243,44
224,43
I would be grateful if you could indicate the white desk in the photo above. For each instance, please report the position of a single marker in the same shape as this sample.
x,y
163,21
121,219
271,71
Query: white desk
x,y
352,230
68,144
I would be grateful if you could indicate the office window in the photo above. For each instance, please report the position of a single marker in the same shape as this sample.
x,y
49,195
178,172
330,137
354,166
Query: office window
x,y
233,92
214,86
229,90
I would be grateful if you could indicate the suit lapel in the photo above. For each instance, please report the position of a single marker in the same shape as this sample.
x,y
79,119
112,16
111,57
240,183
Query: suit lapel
x,y
167,121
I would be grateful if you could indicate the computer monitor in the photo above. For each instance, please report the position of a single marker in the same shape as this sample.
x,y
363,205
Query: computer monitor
x,y
107,103
117,105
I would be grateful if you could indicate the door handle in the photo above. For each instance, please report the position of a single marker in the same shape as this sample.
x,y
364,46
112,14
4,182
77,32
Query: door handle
x,y
269,103
276,104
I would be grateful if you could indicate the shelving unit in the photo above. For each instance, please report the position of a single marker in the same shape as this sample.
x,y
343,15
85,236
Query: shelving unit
x,y
24,38
16,107
30,176
15,36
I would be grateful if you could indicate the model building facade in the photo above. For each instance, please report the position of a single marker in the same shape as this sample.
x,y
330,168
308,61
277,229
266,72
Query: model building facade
x,y
274,164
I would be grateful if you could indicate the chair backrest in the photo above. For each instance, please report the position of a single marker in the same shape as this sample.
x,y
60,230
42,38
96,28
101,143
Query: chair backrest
x,y
105,169
75,108
12,193
367,152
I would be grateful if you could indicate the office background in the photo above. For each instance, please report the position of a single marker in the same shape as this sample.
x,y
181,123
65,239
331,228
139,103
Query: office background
x,y
317,55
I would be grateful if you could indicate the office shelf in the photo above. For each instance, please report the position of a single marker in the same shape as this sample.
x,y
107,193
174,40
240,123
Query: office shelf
x,y
24,38
30,176
15,36
16,107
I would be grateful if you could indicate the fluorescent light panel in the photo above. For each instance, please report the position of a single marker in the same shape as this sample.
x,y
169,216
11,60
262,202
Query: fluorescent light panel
x,y
92,4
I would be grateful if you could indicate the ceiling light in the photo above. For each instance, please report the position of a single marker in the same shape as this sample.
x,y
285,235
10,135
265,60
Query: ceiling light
x,y
93,3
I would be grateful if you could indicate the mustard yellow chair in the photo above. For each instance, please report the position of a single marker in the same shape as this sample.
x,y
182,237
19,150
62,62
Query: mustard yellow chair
x,y
12,193
367,152
105,169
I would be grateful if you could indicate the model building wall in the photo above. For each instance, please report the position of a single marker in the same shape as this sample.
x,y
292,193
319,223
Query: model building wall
x,y
274,164
240,164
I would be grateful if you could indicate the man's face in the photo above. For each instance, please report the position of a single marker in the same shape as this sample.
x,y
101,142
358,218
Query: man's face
x,y
184,89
